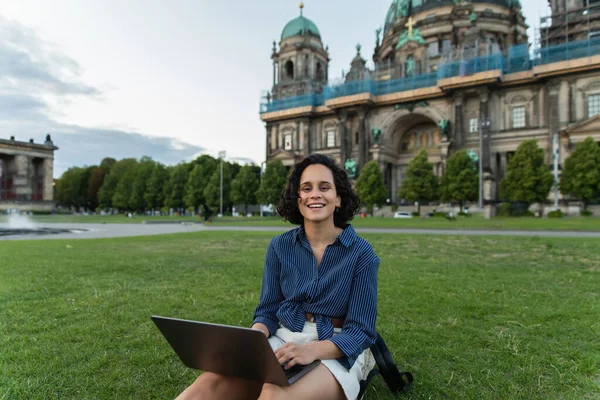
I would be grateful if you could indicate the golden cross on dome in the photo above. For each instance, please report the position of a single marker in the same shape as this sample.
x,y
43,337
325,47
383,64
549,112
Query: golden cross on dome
x,y
410,25
301,7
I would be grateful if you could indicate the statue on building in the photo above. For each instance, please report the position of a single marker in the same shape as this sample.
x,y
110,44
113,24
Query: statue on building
x,y
376,133
402,7
444,126
350,167
377,34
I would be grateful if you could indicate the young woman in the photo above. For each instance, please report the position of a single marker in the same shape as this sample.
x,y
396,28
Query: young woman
x,y
319,293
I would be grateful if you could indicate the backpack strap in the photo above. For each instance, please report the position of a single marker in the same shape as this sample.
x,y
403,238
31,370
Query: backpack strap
x,y
397,381
364,384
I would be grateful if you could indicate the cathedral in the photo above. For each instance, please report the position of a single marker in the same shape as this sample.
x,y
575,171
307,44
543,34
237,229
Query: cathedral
x,y
446,75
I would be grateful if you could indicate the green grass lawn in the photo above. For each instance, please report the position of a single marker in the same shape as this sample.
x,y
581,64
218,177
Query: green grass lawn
x,y
474,222
472,317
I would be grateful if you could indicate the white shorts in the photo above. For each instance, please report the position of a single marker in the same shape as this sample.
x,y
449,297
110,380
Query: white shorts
x,y
348,380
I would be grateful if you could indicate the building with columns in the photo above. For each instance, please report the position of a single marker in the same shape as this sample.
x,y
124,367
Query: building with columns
x,y
26,175
445,74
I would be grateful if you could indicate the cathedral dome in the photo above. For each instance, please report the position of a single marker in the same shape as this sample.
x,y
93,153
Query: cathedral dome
x,y
300,26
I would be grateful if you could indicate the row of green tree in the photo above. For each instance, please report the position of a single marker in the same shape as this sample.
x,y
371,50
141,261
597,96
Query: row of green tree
x,y
528,179
132,185
147,185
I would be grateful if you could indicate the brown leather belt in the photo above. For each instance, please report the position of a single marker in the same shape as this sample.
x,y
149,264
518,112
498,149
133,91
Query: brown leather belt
x,y
336,322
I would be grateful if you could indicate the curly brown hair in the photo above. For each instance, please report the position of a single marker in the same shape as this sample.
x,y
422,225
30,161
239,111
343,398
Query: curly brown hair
x,y
350,202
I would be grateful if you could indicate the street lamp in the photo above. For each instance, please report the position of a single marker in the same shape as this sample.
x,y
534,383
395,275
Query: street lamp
x,y
555,155
484,123
222,155
262,170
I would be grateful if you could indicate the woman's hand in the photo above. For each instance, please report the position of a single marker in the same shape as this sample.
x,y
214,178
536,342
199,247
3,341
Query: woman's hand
x,y
296,354
261,327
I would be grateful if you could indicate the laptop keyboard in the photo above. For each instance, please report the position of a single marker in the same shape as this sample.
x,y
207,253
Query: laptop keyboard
x,y
292,371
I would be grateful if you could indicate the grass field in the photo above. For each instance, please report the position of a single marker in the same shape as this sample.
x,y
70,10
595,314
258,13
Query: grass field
x,y
471,317
474,222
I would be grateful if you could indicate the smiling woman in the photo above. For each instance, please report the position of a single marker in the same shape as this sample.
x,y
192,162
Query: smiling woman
x,y
319,293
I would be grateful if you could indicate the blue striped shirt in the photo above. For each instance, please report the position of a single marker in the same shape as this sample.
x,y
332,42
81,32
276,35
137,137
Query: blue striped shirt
x,y
344,285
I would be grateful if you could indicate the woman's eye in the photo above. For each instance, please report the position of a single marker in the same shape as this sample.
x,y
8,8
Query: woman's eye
x,y
306,189
324,188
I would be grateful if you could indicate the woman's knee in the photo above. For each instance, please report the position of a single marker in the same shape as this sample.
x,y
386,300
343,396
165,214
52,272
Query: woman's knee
x,y
271,392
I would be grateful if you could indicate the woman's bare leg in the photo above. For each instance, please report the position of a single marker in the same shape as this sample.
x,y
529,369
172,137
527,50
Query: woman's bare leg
x,y
211,386
317,384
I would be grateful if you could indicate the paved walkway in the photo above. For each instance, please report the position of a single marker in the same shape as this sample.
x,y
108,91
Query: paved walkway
x,y
96,231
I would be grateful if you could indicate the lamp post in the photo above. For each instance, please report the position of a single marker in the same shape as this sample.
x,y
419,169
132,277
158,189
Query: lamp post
x,y
484,123
262,170
222,155
556,154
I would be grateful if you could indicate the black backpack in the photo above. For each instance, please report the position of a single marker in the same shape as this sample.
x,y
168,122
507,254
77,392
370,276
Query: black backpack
x,y
398,382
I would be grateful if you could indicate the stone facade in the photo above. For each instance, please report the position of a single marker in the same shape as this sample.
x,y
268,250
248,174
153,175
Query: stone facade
x,y
26,175
436,86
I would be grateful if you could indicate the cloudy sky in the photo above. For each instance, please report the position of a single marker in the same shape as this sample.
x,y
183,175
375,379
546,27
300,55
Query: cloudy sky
x,y
170,80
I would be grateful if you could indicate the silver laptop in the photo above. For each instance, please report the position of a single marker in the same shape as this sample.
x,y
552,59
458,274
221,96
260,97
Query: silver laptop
x,y
228,350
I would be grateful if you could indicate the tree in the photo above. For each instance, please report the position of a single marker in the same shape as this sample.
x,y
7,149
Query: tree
x,y
175,188
125,186
94,184
370,186
273,182
194,188
581,175
245,186
154,196
142,175
528,179
460,182
420,184
212,191
71,188
106,164
109,185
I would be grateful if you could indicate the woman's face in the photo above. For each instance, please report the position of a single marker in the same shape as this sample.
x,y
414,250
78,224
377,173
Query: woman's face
x,y
318,197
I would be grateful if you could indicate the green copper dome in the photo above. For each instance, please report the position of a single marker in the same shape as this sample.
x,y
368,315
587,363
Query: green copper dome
x,y
300,26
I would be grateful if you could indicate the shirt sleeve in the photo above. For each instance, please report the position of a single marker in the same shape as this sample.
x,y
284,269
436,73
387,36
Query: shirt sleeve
x,y
270,296
359,331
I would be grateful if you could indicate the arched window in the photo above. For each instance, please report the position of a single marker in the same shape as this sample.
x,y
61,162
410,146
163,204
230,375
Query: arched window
x,y
289,70
319,72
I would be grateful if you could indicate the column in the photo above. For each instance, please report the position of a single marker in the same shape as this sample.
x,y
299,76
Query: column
x,y
21,179
459,132
278,135
394,182
362,148
274,71
541,107
563,103
296,138
579,104
48,194
343,116
308,132
535,118
503,164
268,141
572,100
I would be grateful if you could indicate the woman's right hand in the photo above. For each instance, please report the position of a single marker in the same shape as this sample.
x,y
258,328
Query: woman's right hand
x,y
261,327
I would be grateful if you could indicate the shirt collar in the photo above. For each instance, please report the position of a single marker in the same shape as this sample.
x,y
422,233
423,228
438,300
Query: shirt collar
x,y
346,238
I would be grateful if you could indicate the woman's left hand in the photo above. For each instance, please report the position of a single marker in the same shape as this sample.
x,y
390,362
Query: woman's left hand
x,y
296,354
